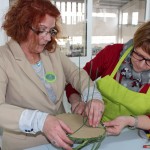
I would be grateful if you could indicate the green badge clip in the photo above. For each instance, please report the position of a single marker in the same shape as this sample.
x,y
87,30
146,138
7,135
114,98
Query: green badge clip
x,y
50,77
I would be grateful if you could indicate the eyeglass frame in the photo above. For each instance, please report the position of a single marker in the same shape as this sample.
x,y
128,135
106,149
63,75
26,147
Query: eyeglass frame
x,y
142,58
52,31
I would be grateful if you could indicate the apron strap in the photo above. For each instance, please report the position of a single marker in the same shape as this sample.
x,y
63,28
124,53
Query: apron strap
x,y
121,60
148,91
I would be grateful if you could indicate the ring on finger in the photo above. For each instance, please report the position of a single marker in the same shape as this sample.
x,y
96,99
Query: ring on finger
x,y
53,142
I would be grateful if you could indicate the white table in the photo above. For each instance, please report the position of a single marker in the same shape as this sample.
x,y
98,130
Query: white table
x,y
127,140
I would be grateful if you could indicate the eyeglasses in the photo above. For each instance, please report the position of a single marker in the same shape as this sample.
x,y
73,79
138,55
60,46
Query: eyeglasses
x,y
52,32
139,57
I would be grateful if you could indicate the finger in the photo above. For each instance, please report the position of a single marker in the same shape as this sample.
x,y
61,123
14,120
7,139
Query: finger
x,y
86,112
114,134
91,114
55,143
96,117
75,108
113,130
65,139
80,109
108,133
98,113
58,142
63,136
61,140
110,123
65,127
107,124
64,144
97,109
95,114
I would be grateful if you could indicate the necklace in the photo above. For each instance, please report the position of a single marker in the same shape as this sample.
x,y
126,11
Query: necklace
x,y
39,69
38,63
33,58
38,66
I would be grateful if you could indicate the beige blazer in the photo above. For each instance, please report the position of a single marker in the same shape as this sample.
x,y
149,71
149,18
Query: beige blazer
x,y
20,89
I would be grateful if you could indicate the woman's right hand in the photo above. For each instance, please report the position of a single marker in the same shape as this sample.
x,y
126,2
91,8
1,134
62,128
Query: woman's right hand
x,y
56,130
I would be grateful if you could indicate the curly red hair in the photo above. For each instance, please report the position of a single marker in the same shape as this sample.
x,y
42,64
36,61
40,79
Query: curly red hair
x,y
24,13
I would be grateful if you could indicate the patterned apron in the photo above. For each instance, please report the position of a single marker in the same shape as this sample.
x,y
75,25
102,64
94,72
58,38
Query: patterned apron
x,y
118,99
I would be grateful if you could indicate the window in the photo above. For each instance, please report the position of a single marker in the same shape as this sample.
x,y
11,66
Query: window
x,y
105,27
73,39
125,18
135,18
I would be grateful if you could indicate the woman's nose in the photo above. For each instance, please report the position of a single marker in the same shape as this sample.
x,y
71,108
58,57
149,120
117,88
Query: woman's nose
x,y
48,37
142,63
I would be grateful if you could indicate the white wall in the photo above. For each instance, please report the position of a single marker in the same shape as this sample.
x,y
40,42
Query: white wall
x,y
127,31
4,5
107,26
147,16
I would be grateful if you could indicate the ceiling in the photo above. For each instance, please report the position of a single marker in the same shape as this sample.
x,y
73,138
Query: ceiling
x,y
110,3
101,3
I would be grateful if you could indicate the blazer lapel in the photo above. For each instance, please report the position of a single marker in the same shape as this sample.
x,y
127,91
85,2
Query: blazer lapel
x,y
25,65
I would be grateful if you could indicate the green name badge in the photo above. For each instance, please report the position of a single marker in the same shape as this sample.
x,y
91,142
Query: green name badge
x,y
50,77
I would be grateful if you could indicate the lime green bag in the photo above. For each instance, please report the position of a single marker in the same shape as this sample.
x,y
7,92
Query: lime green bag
x,y
118,99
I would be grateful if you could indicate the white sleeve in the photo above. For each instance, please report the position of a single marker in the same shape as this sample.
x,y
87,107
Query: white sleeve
x,y
91,93
32,121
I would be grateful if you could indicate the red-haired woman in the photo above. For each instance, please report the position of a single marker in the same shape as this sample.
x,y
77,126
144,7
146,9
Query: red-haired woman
x,y
33,74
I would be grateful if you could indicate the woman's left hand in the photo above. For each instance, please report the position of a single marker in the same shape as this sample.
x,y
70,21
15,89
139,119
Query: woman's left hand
x,y
94,110
78,108
115,126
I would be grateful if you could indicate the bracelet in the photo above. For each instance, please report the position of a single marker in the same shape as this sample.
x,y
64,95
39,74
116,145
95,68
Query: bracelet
x,y
135,123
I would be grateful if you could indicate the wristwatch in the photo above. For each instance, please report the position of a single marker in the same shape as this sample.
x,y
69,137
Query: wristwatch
x,y
135,123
